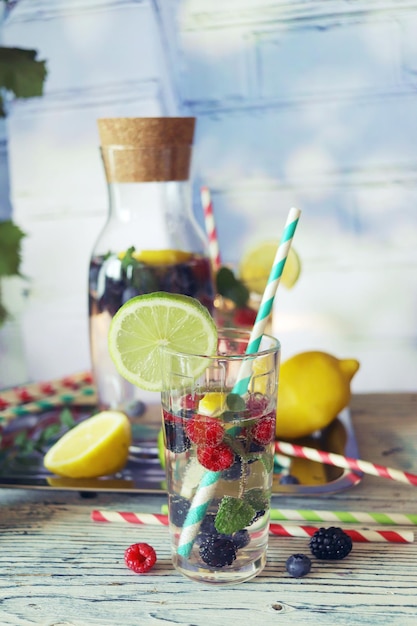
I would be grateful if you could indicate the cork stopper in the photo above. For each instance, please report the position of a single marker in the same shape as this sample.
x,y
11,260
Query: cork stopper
x,y
146,149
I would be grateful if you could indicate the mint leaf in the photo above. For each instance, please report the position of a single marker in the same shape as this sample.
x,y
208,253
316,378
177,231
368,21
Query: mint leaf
x,y
258,499
230,287
233,515
235,402
10,242
268,462
128,258
66,418
21,73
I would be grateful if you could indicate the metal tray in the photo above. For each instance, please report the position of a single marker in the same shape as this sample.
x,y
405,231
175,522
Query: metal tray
x,y
23,446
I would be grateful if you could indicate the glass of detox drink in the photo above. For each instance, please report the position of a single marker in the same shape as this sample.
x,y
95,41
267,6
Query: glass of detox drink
x,y
219,429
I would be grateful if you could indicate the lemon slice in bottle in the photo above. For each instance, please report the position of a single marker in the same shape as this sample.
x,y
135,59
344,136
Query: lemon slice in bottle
x,y
256,264
146,324
98,446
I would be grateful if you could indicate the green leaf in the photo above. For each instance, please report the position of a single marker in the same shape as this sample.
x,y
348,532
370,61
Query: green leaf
x,y
230,287
10,248
258,499
21,73
233,515
128,258
66,418
235,402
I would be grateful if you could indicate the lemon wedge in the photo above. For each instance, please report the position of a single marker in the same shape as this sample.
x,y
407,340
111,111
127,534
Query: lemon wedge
x,y
98,446
160,257
256,265
213,403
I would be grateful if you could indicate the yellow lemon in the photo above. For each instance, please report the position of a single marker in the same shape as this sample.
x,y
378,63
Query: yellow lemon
x,y
213,403
98,446
160,257
256,265
313,388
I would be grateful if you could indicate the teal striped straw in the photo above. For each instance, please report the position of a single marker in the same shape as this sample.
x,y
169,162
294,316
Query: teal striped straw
x,y
207,486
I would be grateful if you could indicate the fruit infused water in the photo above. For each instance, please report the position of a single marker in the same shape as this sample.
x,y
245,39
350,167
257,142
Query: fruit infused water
x,y
116,278
219,457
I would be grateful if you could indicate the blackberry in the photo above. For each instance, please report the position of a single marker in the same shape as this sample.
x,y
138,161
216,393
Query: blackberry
x,y
330,543
178,509
176,438
241,538
218,551
298,565
257,515
207,529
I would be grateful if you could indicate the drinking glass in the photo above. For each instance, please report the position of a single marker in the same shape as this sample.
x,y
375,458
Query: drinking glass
x,y
219,427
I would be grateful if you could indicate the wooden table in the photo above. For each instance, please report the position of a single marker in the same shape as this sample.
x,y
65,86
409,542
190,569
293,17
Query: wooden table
x,y
57,567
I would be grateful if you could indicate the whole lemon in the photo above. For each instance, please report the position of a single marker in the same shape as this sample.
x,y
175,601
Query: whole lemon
x,y
313,388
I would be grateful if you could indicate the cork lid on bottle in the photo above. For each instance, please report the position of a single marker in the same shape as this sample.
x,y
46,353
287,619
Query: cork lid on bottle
x,y
144,149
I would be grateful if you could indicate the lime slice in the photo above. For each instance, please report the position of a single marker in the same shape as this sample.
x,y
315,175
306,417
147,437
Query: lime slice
x,y
98,446
148,323
256,265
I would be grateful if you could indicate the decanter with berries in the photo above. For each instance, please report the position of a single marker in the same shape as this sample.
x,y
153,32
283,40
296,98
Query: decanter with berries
x,y
151,240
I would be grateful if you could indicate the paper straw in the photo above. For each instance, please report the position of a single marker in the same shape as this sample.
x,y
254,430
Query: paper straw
x,y
278,530
338,460
207,486
211,228
346,517
77,389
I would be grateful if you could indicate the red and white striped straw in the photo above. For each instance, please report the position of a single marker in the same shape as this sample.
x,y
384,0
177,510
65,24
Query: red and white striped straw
x,y
278,530
338,460
211,228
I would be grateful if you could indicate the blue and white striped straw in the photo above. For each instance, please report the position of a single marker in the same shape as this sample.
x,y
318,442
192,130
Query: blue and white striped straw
x,y
207,486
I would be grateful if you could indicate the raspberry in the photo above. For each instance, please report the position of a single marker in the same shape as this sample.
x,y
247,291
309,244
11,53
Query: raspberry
x,y
140,557
218,551
298,565
330,543
178,509
244,316
215,458
204,430
264,430
257,404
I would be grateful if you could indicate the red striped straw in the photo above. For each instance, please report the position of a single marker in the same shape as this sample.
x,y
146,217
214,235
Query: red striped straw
x,y
211,228
338,460
278,530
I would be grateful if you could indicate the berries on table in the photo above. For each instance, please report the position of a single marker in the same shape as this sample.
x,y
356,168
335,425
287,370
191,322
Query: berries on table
x,y
330,543
140,557
298,565
215,458
218,551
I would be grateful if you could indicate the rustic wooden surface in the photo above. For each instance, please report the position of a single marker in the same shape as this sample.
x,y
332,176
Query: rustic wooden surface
x,y
58,568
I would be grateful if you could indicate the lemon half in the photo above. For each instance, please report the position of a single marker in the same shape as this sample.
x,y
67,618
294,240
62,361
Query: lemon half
x,y
98,446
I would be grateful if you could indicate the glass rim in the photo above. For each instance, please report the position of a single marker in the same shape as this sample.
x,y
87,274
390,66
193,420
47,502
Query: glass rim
x,y
233,333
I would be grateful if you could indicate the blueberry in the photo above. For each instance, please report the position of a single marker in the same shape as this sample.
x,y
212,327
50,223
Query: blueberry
x,y
234,472
176,438
178,509
298,565
129,293
180,279
241,538
289,479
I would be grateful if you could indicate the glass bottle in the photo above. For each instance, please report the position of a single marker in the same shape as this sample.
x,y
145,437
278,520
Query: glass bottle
x,y
150,241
